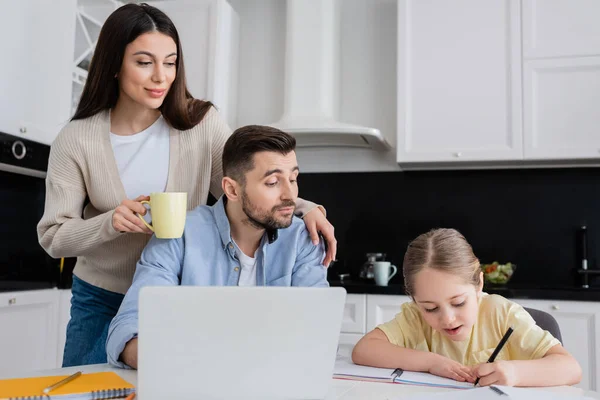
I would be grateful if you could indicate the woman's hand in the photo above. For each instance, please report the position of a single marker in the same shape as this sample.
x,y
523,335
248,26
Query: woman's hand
x,y
496,373
317,222
124,218
447,368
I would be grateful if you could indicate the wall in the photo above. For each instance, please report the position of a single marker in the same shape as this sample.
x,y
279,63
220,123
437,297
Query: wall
x,y
529,217
368,76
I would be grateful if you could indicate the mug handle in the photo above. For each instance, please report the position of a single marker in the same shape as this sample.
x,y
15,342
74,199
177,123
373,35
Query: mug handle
x,y
393,273
142,218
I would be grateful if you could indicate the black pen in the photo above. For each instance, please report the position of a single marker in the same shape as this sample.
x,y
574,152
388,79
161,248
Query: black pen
x,y
497,349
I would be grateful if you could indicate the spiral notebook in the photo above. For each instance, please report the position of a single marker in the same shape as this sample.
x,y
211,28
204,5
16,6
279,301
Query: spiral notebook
x,y
92,386
346,369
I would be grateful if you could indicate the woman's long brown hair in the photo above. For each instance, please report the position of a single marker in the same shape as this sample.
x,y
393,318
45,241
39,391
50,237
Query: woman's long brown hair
x,y
101,90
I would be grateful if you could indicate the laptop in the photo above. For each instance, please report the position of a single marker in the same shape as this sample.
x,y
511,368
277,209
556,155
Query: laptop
x,y
237,342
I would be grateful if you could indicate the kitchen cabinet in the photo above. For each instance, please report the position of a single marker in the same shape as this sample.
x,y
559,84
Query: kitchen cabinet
x,y
64,315
561,101
28,338
35,84
459,93
505,95
579,323
383,308
561,28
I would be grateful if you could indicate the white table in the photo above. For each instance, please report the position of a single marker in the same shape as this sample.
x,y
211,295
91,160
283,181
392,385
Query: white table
x,y
339,390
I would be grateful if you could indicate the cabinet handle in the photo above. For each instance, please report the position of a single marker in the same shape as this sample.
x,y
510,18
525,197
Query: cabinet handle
x,y
12,301
23,129
555,307
458,154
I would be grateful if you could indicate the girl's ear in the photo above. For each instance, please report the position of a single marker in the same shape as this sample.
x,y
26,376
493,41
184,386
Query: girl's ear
x,y
480,286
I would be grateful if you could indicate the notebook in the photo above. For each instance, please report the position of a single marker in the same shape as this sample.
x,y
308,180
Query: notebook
x,y
346,369
93,386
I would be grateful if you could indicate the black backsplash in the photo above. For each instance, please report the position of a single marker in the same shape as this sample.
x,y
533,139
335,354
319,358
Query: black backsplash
x,y
527,216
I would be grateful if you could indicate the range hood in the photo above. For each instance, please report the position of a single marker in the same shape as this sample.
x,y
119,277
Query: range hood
x,y
312,71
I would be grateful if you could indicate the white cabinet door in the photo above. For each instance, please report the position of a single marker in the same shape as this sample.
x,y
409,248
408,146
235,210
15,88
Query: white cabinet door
x,y
47,103
561,102
64,315
560,28
355,314
28,339
14,52
383,308
35,73
579,326
459,81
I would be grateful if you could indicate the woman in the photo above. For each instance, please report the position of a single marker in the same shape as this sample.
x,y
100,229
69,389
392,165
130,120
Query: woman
x,y
137,130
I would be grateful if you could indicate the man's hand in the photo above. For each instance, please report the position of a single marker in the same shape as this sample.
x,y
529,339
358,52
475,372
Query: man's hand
x,y
496,373
447,368
130,353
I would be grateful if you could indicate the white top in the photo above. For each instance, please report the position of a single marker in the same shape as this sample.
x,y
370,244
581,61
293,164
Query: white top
x,y
143,159
248,272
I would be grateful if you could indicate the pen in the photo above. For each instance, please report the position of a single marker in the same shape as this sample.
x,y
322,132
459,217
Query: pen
x,y
62,382
497,349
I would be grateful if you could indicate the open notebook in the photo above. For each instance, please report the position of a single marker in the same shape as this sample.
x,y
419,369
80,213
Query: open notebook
x,y
346,369
93,386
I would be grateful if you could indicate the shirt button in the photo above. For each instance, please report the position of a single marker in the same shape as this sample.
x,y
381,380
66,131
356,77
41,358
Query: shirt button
x,y
230,246
236,269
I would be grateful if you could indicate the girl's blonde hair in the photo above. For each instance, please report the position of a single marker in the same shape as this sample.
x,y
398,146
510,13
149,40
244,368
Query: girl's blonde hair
x,y
444,250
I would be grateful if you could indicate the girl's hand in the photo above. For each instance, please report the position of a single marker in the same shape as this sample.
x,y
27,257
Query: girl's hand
x,y
124,218
447,368
317,222
496,373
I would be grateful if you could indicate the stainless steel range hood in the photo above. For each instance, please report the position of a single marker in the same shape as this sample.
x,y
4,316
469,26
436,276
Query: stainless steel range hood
x,y
312,71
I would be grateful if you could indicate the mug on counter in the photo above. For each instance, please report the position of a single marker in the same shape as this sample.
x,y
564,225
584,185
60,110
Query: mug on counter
x,y
168,211
383,271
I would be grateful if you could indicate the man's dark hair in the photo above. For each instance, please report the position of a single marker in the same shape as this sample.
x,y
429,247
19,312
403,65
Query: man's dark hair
x,y
244,142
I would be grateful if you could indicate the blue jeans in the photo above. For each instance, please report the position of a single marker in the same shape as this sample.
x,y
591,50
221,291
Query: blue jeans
x,y
92,309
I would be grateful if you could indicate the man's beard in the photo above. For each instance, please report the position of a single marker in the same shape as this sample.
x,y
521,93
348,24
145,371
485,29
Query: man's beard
x,y
266,220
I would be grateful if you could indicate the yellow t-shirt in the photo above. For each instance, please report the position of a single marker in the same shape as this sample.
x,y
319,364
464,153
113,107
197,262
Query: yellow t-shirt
x,y
527,342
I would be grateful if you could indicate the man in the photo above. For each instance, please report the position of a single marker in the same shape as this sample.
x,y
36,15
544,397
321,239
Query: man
x,y
250,237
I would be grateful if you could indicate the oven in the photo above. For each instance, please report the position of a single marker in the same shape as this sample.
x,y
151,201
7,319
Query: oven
x,y
24,265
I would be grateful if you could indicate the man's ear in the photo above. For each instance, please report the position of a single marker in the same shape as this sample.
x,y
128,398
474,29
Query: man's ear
x,y
231,188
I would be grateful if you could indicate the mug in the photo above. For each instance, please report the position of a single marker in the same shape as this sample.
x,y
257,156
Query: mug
x,y
382,270
168,211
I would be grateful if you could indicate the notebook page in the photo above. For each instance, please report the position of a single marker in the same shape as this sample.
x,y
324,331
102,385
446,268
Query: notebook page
x,y
426,379
345,369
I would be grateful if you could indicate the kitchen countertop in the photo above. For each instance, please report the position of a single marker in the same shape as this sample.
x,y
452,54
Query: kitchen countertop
x,y
521,291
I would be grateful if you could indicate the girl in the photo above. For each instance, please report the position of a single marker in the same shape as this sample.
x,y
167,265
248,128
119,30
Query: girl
x,y
451,327
136,130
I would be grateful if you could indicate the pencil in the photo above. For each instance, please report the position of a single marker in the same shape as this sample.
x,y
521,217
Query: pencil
x,y
61,382
131,396
497,349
